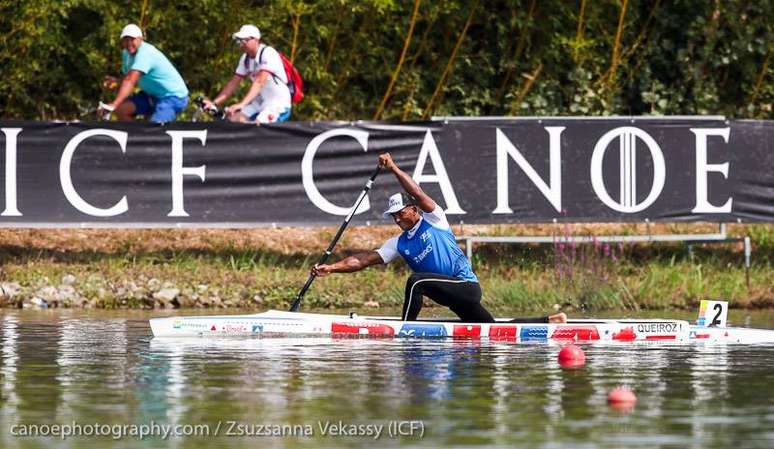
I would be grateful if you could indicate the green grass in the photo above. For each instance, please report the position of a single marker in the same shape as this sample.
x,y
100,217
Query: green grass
x,y
513,277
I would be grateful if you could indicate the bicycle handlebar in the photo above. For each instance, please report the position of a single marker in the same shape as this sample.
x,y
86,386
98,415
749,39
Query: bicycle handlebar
x,y
212,111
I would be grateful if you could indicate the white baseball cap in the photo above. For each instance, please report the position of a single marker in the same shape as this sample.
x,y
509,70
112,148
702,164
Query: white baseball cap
x,y
396,203
247,31
131,30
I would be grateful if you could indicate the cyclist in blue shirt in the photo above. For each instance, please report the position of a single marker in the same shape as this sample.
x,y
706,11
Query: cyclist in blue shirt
x,y
427,244
163,94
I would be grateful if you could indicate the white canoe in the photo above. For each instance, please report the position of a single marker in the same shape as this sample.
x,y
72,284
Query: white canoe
x,y
279,323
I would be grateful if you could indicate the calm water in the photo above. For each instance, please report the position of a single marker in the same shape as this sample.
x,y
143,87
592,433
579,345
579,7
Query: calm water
x,y
103,372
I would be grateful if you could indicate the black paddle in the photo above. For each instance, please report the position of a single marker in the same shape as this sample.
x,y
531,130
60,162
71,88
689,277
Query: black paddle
x,y
327,253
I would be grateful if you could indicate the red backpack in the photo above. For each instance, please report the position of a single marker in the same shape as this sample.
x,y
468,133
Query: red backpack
x,y
295,82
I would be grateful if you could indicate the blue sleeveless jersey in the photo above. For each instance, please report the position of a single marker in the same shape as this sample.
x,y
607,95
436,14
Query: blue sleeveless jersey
x,y
434,250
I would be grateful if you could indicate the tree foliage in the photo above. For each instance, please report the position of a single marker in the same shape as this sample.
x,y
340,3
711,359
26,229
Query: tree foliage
x,y
514,57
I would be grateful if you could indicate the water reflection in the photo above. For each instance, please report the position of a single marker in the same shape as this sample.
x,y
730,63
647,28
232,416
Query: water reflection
x,y
706,387
8,368
106,368
92,362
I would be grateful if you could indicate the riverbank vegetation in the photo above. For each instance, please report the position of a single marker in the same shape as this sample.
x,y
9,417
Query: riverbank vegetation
x,y
409,60
264,268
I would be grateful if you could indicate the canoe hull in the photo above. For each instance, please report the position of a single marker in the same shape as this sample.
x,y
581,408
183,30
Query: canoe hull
x,y
279,323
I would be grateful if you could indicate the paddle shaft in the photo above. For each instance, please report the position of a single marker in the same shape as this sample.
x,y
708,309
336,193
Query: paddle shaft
x,y
329,251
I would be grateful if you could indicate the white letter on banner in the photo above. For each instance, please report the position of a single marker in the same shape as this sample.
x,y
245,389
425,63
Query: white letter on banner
x,y
307,174
702,168
440,176
627,136
10,172
178,171
67,183
553,193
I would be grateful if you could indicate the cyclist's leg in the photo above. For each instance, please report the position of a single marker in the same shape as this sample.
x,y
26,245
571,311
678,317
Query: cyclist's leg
x,y
126,111
247,115
139,103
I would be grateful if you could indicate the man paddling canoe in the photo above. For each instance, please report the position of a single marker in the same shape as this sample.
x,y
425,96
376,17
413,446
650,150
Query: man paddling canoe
x,y
427,244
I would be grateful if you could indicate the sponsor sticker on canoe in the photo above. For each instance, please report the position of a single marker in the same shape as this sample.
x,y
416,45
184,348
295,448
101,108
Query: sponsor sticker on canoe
x,y
625,334
576,333
234,329
422,330
697,335
183,324
503,333
375,329
466,330
534,333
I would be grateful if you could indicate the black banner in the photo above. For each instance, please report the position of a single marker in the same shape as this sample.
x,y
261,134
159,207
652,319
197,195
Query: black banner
x,y
480,171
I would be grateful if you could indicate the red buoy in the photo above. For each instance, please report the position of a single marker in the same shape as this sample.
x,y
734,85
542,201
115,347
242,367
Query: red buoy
x,y
572,356
621,398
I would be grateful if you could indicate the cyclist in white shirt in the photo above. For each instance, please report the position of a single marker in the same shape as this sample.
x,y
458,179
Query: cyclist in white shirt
x,y
268,99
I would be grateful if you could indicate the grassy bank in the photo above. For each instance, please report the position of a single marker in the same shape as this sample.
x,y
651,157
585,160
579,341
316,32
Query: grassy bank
x,y
264,268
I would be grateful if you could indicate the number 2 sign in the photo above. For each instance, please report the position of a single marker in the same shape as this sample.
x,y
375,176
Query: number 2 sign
x,y
713,313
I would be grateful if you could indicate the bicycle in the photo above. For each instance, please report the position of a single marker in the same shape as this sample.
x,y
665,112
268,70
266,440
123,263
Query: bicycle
x,y
104,112
201,110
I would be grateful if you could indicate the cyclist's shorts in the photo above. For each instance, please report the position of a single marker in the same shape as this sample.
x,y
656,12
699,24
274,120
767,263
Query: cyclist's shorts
x,y
267,115
160,110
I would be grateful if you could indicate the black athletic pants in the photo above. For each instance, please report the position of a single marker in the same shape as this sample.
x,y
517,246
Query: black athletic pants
x,y
462,297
